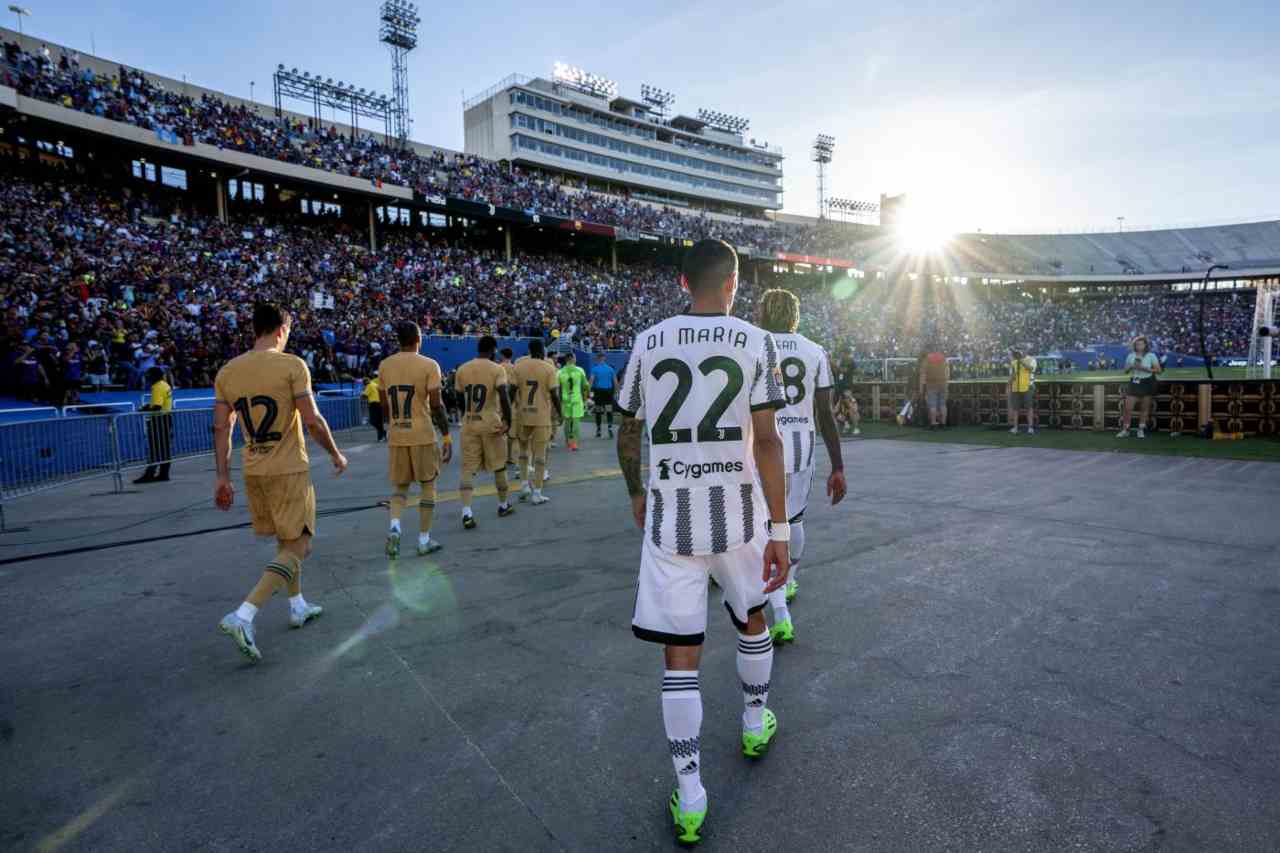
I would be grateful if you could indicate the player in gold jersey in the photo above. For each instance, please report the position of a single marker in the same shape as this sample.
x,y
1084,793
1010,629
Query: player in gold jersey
x,y
537,396
486,420
410,391
269,393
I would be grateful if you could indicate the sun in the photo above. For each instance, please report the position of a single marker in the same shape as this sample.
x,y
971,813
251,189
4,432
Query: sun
x,y
919,233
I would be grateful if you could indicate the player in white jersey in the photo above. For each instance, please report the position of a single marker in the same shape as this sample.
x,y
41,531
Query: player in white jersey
x,y
807,383
707,386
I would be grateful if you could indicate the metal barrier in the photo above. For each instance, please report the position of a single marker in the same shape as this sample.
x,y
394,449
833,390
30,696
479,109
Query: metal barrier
x,y
30,413
184,402
40,455
95,409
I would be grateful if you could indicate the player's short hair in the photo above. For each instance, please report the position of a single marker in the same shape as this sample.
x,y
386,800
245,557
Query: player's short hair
x,y
569,356
536,349
408,333
154,375
708,264
779,311
267,317
488,345
600,356
507,352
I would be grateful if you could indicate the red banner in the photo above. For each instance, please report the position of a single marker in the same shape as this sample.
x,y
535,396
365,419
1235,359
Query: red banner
x,y
813,259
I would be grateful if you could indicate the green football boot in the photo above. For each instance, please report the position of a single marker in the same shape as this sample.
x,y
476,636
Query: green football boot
x,y
755,746
688,825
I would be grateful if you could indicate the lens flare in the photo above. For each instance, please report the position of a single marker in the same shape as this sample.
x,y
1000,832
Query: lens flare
x,y
844,288
421,586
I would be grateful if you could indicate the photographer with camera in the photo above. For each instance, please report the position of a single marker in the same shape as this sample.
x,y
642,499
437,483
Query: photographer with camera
x,y
1142,365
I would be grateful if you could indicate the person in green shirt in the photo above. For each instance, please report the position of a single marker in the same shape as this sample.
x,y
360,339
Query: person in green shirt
x,y
573,392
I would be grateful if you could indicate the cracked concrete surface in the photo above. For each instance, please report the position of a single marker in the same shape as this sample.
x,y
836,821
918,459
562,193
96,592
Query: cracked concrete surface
x,y
1013,649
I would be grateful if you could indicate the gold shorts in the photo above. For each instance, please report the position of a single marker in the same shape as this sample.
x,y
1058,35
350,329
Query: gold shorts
x,y
283,506
484,451
417,463
537,438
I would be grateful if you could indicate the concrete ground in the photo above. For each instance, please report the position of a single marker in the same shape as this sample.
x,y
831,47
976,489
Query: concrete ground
x,y
998,649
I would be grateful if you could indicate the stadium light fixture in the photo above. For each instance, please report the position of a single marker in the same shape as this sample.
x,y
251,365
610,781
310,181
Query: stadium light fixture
x,y
724,121
659,99
19,12
584,81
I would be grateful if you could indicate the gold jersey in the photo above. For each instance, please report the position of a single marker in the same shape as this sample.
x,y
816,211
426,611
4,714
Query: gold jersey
x,y
261,387
408,379
535,380
478,381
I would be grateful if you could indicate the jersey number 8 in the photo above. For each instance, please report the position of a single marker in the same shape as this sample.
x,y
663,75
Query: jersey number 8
x,y
793,380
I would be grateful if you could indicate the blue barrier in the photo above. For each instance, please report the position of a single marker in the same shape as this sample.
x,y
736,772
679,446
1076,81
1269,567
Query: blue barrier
x,y
37,455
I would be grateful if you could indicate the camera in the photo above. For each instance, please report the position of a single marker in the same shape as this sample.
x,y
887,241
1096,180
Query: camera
x,y
1269,331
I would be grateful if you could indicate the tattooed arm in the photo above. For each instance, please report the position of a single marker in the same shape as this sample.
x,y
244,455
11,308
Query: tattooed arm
x,y
630,436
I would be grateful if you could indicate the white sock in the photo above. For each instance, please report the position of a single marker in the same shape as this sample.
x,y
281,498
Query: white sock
x,y
795,549
247,611
755,665
297,603
778,601
682,717
466,512
505,505
424,539
395,525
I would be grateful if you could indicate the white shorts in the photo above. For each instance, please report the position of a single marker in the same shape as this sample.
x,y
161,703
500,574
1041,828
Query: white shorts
x,y
671,600
798,485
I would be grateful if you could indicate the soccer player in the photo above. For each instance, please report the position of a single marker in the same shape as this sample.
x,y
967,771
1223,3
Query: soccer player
x,y
486,420
409,388
573,393
707,385
604,382
537,395
269,392
807,384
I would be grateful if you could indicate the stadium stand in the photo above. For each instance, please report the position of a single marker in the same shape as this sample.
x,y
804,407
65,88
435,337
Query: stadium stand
x,y
129,96
122,269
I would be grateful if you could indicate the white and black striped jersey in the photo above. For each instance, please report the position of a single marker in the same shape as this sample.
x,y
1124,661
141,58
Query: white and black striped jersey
x,y
694,380
806,370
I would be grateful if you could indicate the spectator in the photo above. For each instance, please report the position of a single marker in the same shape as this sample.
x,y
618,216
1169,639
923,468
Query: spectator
x,y
934,376
1142,367
1021,391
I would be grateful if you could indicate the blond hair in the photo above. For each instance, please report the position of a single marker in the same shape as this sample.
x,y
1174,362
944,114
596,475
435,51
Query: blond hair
x,y
779,311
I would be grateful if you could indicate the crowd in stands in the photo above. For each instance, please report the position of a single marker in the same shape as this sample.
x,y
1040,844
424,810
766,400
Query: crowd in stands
x,y
97,286
980,325
130,96
86,275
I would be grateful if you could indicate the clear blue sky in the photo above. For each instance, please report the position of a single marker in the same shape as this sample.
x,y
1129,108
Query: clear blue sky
x,y
995,114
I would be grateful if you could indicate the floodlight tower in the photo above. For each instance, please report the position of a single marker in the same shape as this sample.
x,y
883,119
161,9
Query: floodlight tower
x,y
822,148
399,31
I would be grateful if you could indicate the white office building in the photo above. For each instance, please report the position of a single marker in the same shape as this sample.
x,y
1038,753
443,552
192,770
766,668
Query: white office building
x,y
620,145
